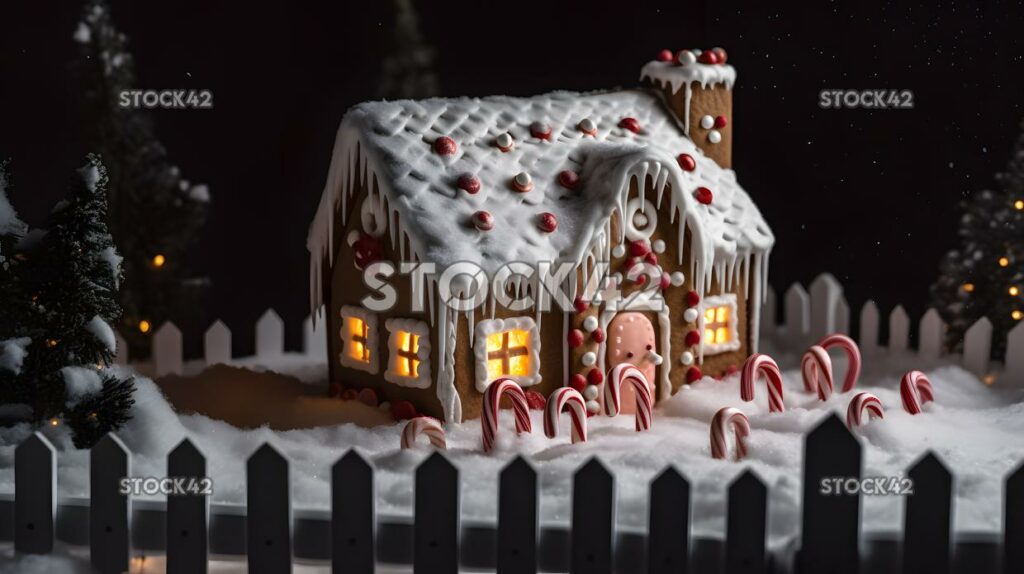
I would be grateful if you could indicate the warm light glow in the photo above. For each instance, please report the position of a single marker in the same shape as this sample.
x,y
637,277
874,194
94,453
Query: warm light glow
x,y
159,260
408,360
968,287
716,325
1016,314
144,326
508,354
358,348
988,379
51,343
1014,291
1003,261
1019,204
54,422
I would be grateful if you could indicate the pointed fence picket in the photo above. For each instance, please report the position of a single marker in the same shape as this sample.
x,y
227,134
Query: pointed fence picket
x,y
517,519
669,535
747,524
798,310
187,514
109,508
217,344
436,531
35,491
899,329
929,333
928,518
593,511
167,350
268,521
769,308
869,318
825,292
842,316
314,341
1013,522
978,346
269,334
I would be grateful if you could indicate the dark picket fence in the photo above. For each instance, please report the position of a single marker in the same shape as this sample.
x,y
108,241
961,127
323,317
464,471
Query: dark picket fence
x,y
190,530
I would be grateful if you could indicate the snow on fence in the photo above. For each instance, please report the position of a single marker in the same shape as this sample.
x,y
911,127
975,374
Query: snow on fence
x,y
271,534
809,315
168,353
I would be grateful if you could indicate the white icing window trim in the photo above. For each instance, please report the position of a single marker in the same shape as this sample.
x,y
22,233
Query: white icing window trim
x,y
420,329
723,300
492,326
350,311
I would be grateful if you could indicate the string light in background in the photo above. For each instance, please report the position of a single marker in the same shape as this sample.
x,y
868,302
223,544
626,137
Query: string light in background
x,y
1019,204
144,326
1017,314
1014,290
159,260
1003,261
968,287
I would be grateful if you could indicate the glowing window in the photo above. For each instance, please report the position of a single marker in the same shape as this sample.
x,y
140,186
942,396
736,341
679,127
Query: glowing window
x,y
508,354
408,353
507,348
358,339
719,324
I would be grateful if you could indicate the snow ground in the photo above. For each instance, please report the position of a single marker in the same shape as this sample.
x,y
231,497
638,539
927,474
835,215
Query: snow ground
x,y
974,429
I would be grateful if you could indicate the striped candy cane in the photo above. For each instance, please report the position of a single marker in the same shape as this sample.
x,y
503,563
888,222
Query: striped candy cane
x,y
863,402
852,354
626,373
566,396
723,419
915,390
492,402
755,366
816,368
427,426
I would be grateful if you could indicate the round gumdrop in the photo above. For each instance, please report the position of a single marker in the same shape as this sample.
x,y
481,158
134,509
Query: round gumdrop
x,y
686,162
595,377
694,374
575,338
598,335
368,397
665,56
692,299
692,338
578,382
445,145
402,410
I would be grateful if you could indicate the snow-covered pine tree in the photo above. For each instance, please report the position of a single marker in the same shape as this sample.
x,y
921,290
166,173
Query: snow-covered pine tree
x,y
14,308
984,275
73,274
155,213
408,71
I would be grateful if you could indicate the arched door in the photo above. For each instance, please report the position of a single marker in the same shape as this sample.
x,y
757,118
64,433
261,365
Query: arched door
x,y
632,339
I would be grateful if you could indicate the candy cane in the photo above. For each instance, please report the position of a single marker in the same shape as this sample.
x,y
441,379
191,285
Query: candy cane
x,y
427,426
492,405
755,366
814,362
915,390
566,396
723,419
852,354
627,373
863,402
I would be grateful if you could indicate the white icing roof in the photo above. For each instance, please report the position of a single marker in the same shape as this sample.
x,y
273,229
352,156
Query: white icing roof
x,y
419,186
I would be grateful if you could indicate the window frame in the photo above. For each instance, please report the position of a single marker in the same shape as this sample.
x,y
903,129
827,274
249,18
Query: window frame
x,y
494,326
422,331
732,323
370,320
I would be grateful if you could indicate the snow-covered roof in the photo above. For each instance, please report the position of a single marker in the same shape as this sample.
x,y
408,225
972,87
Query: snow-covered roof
x,y
418,186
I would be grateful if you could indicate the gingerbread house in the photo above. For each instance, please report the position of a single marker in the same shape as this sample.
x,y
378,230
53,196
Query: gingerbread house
x,y
632,189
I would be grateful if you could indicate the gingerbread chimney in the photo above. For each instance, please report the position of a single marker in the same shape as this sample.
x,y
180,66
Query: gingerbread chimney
x,y
698,87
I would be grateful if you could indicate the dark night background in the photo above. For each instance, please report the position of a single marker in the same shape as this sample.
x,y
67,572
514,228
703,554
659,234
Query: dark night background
x,y
869,196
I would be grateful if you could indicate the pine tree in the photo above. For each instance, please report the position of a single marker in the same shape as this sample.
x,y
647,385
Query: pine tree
x,y
984,275
14,307
155,213
408,71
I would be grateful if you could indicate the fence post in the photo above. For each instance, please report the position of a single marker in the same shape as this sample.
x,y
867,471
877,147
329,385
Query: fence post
x,y
593,508
35,495
842,316
899,329
269,335
746,525
217,344
929,334
978,346
825,292
187,514
927,518
314,342
268,512
769,311
868,339
436,530
1014,371
109,510
831,524
352,524
167,354
517,519
797,312
121,350
1013,528
668,542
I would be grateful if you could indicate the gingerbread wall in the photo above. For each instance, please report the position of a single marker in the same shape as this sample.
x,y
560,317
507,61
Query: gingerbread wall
x,y
714,100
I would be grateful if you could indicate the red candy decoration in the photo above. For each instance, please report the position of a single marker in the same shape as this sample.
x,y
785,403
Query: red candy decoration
x,y
692,299
402,410
722,56
694,374
704,195
665,56
469,183
548,222
595,377
445,145
568,179
630,124
349,395
641,279
535,400
598,335
692,338
639,248
651,258
578,382
368,397
483,220
721,121
708,57
575,338
367,250
731,370
666,281
686,162
580,304
540,130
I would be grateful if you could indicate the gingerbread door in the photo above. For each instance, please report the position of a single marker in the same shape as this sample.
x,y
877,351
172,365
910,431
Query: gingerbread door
x,y
632,340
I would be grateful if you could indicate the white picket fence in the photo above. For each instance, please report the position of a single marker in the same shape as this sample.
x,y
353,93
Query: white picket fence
x,y
168,350
810,314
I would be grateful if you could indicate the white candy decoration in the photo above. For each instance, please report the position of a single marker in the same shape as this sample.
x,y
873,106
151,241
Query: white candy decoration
x,y
619,250
658,246
690,315
714,136
504,141
686,57
590,324
707,122
590,392
678,278
587,126
589,358
523,182
353,236
593,407
686,358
